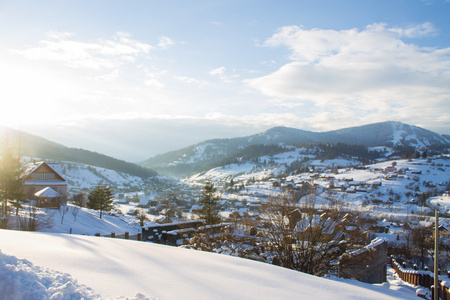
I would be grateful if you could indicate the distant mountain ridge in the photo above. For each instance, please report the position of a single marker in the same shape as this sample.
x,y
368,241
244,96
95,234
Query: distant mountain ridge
x,y
34,146
216,152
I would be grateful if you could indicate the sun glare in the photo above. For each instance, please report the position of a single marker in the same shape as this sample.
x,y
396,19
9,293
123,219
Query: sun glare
x,y
29,94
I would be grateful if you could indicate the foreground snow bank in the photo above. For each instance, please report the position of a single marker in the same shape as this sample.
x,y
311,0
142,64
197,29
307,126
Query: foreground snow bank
x,y
20,279
116,268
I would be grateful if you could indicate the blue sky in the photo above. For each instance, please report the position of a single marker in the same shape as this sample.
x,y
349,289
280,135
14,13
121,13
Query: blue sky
x,y
132,79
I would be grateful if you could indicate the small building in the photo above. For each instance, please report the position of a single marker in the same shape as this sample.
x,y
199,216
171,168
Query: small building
x,y
367,264
42,175
376,184
390,169
47,197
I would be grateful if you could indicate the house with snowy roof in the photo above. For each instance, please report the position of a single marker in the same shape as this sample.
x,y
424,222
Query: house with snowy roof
x,y
44,183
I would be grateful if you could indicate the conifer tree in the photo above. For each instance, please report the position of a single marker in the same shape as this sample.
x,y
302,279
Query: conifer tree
x,y
210,205
101,198
11,178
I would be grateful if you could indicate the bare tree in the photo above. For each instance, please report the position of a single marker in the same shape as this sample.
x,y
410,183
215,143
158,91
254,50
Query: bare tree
x,y
423,243
299,236
142,216
63,207
78,201
34,219
74,210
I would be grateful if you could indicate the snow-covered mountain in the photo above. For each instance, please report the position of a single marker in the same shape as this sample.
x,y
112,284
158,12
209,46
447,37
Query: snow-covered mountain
x,y
214,153
386,134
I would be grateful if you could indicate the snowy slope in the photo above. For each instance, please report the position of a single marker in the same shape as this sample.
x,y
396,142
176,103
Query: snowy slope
x,y
85,176
87,222
370,188
113,268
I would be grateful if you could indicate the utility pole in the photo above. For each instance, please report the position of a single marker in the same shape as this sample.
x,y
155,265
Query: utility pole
x,y
436,254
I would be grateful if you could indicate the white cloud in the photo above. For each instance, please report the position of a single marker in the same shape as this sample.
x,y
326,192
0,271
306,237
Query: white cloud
x,y
111,76
154,83
59,35
102,54
423,30
165,42
217,72
190,80
371,73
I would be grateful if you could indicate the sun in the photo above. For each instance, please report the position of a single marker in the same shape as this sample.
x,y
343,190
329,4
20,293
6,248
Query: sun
x,y
30,93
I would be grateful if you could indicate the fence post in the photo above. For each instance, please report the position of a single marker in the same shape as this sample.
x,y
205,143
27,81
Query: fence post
x,y
113,234
127,235
139,236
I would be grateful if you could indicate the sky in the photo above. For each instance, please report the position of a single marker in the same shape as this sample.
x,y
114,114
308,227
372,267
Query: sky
x,y
132,79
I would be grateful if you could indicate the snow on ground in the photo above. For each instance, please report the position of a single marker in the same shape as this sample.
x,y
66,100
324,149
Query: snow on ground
x,y
397,193
88,222
84,176
395,283
60,266
20,279
443,202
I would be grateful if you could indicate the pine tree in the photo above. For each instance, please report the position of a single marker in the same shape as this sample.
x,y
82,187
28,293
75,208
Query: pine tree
x,y
11,178
210,205
101,198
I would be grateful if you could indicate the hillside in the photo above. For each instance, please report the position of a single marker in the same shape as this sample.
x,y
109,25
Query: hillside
x,y
58,266
81,176
384,187
213,153
34,146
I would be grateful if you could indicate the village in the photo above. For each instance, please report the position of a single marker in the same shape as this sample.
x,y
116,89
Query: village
x,y
396,198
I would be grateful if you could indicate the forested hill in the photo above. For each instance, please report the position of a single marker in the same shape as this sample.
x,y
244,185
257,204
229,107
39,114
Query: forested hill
x,y
37,147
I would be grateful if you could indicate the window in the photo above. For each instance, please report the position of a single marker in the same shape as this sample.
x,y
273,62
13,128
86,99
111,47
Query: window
x,y
43,176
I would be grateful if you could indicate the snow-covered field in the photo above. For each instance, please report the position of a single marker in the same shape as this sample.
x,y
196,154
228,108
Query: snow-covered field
x,y
88,222
442,202
61,266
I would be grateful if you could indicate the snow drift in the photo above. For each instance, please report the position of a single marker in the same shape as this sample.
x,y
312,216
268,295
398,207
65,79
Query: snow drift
x,y
77,266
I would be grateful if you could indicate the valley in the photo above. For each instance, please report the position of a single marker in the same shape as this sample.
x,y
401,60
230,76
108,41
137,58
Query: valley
x,y
398,175
379,187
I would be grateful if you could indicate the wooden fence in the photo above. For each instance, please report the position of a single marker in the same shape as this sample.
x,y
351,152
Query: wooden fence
x,y
171,233
126,236
156,230
421,278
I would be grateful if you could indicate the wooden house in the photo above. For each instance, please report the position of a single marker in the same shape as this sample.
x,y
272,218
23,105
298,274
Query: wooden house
x,y
40,176
390,169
